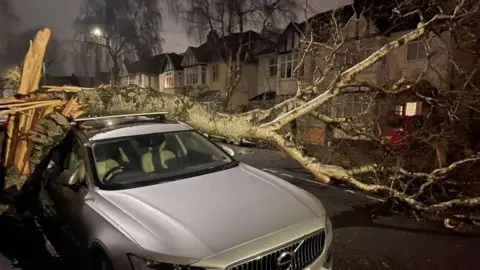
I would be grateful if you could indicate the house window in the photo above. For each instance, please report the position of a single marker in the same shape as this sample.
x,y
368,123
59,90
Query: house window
x,y
399,110
180,79
348,105
204,74
416,51
272,67
169,79
215,72
363,54
288,62
191,74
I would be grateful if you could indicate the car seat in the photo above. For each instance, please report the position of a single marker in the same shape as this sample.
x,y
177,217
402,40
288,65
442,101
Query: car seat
x,y
103,162
157,159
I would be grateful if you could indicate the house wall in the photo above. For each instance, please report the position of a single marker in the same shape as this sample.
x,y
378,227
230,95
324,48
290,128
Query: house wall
x,y
283,86
437,68
264,81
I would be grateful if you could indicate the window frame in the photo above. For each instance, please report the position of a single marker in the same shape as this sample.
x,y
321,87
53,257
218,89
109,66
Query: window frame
x,y
272,66
169,75
291,60
348,101
417,45
191,75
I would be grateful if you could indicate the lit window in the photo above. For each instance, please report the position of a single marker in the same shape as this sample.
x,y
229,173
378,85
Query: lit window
x,y
272,67
399,110
413,108
169,79
416,51
288,62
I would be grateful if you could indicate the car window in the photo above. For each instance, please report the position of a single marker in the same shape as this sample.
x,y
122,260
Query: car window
x,y
155,158
75,159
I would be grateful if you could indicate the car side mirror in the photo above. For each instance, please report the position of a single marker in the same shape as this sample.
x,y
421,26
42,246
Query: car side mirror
x,y
69,177
228,150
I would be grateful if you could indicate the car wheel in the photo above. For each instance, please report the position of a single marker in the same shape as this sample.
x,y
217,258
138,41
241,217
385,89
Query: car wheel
x,y
99,261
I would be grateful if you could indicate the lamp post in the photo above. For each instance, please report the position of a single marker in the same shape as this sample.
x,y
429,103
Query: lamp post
x,y
97,33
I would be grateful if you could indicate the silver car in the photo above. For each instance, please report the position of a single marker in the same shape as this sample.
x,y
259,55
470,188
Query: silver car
x,y
145,193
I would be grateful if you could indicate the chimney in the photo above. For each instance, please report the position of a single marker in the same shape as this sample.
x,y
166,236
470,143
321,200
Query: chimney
x,y
212,36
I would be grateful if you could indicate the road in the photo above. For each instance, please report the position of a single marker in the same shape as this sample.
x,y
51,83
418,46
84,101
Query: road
x,y
368,236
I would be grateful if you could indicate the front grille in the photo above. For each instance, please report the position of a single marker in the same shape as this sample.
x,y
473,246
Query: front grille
x,y
304,252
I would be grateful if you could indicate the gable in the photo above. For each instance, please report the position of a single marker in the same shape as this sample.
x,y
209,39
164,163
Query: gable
x,y
189,58
289,39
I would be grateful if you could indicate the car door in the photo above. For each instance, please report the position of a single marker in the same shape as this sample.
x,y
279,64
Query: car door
x,y
68,201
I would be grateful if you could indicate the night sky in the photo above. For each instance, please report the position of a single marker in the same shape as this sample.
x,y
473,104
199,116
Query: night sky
x,y
60,14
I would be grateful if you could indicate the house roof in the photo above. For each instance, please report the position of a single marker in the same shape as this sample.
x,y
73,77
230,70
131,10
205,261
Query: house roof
x,y
378,12
149,65
175,59
217,48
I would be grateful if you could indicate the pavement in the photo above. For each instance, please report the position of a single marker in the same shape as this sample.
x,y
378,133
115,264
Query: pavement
x,y
367,234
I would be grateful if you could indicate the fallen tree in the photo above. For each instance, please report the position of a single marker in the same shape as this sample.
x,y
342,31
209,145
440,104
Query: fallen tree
x,y
38,119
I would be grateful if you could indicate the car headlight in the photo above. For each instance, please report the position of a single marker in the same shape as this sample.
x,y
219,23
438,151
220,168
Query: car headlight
x,y
138,263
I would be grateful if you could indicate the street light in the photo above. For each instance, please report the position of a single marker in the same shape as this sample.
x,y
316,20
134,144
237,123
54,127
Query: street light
x,y
97,32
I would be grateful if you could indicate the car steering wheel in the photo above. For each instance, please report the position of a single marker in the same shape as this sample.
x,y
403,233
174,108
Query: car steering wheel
x,y
112,172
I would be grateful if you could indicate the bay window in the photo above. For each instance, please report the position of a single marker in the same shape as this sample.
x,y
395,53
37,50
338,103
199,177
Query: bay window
x,y
191,75
288,63
169,79
195,75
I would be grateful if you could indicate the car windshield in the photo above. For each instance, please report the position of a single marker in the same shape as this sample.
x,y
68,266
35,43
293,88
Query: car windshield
x,y
153,158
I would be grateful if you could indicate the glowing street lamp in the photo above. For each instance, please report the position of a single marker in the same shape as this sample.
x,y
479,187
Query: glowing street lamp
x,y
97,32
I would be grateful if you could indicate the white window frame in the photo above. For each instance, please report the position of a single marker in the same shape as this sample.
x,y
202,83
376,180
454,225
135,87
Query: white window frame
x,y
272,66
169,76
191,75
400,110
420,52
345,105
290,61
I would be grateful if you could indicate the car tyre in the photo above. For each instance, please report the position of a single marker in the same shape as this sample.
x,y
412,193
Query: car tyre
x,y
99,261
